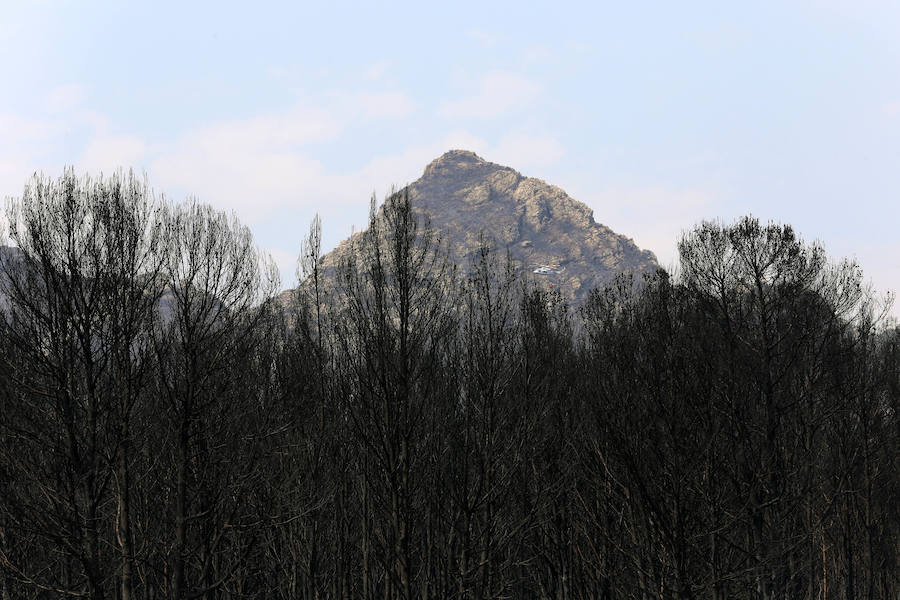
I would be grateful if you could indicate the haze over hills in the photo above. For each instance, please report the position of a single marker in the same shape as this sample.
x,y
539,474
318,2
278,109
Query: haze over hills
x,y
549,234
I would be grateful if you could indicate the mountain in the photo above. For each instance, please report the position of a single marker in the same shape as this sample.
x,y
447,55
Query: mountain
x,y
550,236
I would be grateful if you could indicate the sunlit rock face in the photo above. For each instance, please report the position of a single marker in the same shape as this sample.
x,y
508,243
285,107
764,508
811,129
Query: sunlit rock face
x,y
550,236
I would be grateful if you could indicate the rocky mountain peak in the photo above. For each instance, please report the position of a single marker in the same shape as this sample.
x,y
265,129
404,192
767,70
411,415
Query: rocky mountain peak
x,y
551,236
455,159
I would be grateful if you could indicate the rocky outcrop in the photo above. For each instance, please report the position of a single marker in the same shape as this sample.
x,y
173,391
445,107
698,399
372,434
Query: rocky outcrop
x,y
543,228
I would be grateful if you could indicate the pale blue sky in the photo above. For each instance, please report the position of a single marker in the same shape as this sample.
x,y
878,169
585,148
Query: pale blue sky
x,y
656,115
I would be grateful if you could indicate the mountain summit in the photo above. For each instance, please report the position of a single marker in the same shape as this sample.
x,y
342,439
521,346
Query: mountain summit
x,y
549,235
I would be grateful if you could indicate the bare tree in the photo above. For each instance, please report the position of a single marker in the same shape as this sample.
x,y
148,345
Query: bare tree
x,y
397,289
80,296
215,324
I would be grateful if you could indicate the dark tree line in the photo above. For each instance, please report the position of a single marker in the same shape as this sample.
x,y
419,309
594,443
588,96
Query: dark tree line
x,y
404,428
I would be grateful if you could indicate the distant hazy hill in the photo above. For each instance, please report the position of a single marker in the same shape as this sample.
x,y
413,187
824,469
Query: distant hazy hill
x,y
544,229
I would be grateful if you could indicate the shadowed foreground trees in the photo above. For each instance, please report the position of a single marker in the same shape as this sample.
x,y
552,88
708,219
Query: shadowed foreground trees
x,y
399,429
134,392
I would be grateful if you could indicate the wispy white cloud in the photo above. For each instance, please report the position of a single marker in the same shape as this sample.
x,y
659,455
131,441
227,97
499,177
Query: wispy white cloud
x,y
65,97
297,127
377,105
538,53
108,153
524,151
15,128
375,71
488,39
9,30
13,175
497,94
251,172
29,144
259,165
